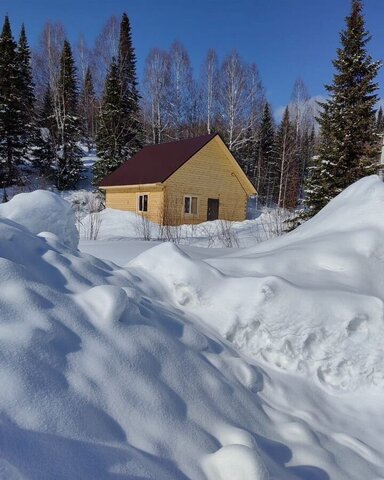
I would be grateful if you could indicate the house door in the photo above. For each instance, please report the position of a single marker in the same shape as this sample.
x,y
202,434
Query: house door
x,y
213,209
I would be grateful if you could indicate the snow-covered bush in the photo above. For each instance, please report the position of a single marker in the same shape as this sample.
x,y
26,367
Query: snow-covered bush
x,y
274,222
87,207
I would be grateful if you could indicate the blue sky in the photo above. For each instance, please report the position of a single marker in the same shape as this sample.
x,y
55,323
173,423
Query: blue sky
x,y
287,39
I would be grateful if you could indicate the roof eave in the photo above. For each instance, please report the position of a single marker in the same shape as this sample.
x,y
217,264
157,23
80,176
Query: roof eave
x,y
132,187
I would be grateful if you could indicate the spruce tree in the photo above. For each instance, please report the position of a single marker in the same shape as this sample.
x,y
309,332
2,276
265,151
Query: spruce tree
x,y
11,124
88,109
266,165
309,149
69,165
45,152
27,95
349,146
132,126
109,147
380,121
119,126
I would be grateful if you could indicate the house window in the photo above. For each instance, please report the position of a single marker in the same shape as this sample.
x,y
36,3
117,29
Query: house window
x,y
190,205
143,203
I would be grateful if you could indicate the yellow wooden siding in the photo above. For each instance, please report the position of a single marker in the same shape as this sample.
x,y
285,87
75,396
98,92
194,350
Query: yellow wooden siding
x,y
127,199
208,174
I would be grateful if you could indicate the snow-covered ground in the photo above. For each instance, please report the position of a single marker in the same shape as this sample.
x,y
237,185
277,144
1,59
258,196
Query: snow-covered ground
x,y
192,363
118,225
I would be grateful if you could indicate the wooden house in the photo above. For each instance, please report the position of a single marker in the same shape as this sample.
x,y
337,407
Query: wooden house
x,y
183,182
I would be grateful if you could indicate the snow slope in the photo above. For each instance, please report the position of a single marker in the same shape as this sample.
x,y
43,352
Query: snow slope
x,y
99,380
309,302
120,372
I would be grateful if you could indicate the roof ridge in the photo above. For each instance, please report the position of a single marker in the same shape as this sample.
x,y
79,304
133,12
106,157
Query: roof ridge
x,y
181,140
155,163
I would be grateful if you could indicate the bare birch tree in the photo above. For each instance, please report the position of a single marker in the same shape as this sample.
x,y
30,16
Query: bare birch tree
x,y
234,100
286,152
106,47
209,79
302,116
247,152
157,82
83,58
180,88
46,59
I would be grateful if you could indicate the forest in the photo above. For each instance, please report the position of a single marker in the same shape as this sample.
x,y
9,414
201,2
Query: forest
x,y
61,96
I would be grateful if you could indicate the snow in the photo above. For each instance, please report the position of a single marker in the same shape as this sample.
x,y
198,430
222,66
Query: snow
x,y
118,225
321,316
189,363
43,211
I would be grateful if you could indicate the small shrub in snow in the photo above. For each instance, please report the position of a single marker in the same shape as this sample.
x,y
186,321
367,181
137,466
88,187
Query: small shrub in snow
x,y
143,227
274,223
226,234
87,207
170,233
93,224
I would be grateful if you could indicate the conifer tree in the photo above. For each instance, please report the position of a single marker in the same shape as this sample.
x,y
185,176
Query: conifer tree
x,y
309,150
109,147
11,125
45,151
88,109
119,127
380,121
68,166
267,171
132,126
287,166
47,114
27,96
349,146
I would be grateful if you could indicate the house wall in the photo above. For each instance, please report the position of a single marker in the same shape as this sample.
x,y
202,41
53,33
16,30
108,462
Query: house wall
x,y
126,198
208,174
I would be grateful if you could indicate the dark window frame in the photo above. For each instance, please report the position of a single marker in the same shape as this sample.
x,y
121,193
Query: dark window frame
x,y
142,202
189,204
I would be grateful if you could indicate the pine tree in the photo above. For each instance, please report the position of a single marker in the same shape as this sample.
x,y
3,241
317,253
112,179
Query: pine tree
x,y
11,125
266,165
68,166
88,109
349,146
126,61
27,95
109,147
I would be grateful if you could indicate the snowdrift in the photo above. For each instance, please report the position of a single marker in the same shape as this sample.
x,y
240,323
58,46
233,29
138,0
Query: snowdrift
x,y
98,381
309,302
43,211
109,372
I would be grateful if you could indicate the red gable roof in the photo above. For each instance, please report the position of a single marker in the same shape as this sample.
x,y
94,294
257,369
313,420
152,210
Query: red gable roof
x,y
154,164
